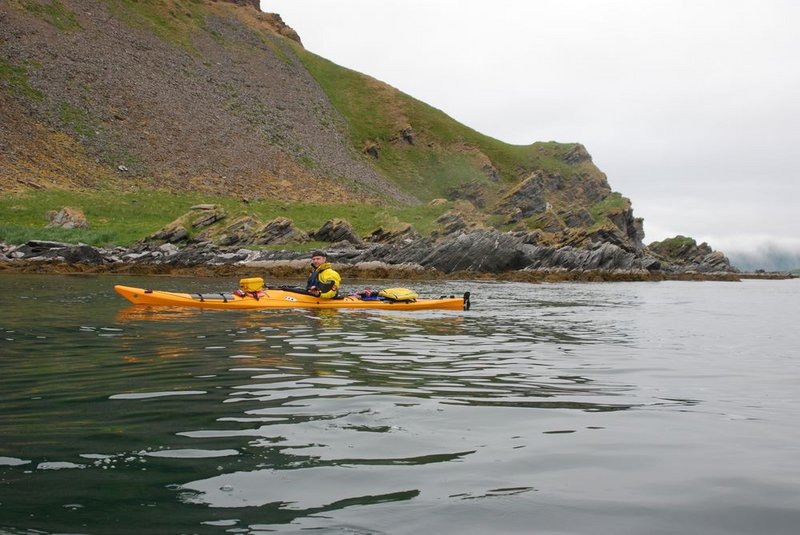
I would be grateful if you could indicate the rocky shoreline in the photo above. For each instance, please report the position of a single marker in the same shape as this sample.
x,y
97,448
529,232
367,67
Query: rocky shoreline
x,y
488,255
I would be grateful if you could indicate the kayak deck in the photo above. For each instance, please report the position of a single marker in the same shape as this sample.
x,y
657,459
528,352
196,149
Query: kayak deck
x,y
280,298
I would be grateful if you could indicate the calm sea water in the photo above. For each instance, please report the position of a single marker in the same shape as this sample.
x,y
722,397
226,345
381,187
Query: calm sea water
x,y
628,408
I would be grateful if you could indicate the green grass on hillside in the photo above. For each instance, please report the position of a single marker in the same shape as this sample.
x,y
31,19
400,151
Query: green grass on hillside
x,y
53,12
671,247
172,21
115,218
614,203
376,113
125,218
15,77
78,120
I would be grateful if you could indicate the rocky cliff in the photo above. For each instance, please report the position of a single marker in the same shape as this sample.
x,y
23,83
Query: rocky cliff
x,y
218,97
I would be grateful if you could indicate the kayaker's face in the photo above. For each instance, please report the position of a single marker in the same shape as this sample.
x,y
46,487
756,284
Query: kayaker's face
x,y
317,261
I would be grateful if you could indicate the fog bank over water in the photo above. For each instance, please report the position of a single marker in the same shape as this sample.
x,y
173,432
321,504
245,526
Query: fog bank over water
x,y
772,257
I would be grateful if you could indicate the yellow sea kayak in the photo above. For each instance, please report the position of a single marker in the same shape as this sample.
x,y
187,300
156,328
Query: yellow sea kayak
x,y
281,298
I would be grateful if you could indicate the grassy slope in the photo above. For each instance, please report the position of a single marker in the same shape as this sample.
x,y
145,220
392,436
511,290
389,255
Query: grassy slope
x,y
54,12
446,154
124,218
173,21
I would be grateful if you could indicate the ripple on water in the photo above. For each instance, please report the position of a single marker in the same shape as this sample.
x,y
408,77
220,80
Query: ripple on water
x,y
562,407
192,453
150,395
13,461
302,489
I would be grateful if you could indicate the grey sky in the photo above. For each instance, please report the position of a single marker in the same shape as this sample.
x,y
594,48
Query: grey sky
x,y
691,107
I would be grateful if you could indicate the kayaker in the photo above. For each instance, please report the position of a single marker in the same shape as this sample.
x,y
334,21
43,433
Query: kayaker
x,y
323,282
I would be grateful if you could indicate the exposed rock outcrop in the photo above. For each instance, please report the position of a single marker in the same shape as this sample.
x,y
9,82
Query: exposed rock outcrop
x,y
578,154
280,231
276,22
239,231
199,217
492,251
474,192
403,234
50,251
632,227
459,220
208,215
336,230
67,218
407,134
686,255
174,232
577,218
548,222
527,199
481,251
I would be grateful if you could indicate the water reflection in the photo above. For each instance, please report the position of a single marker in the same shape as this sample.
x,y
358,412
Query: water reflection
x,y
255,420
306,490
135,313
331,409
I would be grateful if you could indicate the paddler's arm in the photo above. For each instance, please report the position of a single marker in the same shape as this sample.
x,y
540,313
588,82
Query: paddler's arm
x,y
329,282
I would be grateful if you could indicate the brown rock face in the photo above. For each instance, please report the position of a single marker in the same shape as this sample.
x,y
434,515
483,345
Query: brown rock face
x,y
281,230
526,199
337,230
68,218
252,3
403,234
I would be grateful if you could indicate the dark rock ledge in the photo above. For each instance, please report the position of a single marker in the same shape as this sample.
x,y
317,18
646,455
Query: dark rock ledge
x,y
479,254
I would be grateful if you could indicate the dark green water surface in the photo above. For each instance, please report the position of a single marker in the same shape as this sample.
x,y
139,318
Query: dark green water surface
x,y
559,408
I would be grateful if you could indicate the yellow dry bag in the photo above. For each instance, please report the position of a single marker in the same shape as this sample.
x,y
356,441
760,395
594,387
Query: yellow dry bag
x,y
252,284
399,294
